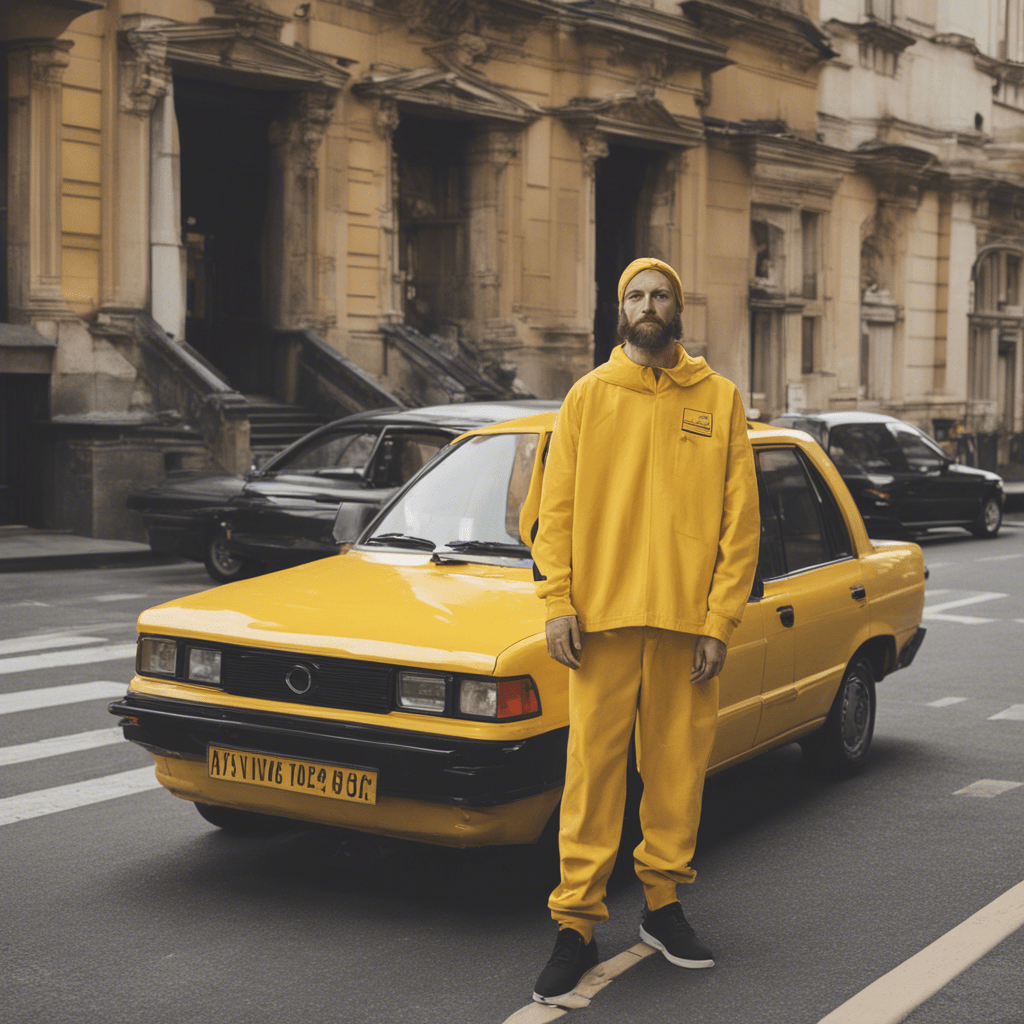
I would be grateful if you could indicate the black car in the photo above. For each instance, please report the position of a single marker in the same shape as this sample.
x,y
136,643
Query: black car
x,y
323,490
902,481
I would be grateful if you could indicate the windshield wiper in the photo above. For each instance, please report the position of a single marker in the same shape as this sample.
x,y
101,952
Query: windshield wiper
x,y
401,540
488,547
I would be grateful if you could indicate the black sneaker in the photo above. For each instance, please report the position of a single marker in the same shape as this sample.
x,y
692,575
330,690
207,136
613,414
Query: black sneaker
x,y
666,929
571,959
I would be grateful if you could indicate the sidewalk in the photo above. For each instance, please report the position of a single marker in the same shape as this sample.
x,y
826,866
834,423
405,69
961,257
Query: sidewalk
x,y
23,549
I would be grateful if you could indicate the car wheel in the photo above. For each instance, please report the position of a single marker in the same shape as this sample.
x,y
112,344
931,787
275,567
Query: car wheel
x,y
220,563
840,747
990,518
243,823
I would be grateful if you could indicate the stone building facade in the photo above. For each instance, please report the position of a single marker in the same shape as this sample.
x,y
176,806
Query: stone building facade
x,y
346,203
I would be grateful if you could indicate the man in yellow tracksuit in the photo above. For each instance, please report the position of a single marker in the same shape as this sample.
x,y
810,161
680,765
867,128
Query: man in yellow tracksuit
x,y
646,548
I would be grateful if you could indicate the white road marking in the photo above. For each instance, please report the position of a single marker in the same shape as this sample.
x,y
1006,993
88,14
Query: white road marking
x,y
592,982
1014,713
28,604
945,702
76,794
896,994
998,558
936,612
45,642
104,598
938,565
59,745
937,590
61,659
987,788
55,696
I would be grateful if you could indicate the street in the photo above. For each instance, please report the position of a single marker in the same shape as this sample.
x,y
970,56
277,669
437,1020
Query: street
x,y
127,906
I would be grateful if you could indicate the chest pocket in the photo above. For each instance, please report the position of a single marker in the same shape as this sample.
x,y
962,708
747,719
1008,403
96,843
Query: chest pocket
x,y
699,482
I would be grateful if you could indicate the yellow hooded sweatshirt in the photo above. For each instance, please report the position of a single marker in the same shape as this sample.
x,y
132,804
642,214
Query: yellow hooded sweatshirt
x,y
649,508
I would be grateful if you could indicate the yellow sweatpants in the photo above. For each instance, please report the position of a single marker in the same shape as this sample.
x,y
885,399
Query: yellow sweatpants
x,y
633,675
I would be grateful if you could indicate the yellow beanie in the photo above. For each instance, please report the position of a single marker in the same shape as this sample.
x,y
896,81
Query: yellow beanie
x,y
650,263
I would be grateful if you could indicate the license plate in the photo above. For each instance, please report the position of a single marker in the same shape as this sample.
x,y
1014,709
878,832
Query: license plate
x,y
357,785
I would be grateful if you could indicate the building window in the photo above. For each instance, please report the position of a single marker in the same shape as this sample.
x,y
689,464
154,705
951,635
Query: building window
x,y
979,363
997,283
767,244
807,342
880,10
809,223
878,59
766,336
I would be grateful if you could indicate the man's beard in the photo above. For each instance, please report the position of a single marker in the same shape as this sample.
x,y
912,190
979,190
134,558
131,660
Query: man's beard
x,y
650,333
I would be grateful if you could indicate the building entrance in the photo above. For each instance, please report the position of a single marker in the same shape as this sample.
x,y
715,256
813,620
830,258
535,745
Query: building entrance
x,y
632,211
225,187
431,160
24,405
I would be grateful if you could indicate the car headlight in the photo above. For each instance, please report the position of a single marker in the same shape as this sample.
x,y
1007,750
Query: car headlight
x,y
203,665
421,691
499,698
157,657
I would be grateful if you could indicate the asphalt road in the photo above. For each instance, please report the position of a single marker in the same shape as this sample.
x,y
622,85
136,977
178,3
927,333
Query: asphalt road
x,y
134,909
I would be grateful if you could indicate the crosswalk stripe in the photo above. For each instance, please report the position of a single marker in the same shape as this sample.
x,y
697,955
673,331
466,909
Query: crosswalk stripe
x,y
106,598
59,745
45,642
54,696
945,702
76,794
61,659
1014,713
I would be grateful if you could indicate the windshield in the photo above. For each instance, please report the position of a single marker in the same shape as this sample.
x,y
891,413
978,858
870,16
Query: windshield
x,y
865,448
471,498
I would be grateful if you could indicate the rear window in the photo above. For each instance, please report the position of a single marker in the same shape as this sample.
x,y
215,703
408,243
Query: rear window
x,y
865,448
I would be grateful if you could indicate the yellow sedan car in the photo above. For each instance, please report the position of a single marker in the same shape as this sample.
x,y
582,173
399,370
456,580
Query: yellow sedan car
x,y
403,688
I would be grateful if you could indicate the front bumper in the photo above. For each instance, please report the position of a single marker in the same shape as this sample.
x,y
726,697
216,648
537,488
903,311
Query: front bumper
x,y
410,766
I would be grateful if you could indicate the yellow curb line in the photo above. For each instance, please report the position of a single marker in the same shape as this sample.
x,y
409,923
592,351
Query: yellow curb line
x,y
592,982
895,995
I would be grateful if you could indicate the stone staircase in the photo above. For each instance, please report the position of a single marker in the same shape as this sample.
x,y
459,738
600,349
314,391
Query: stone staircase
x,y
274,425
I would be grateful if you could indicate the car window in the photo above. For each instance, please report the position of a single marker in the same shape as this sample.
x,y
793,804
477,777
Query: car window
x,y
771,559
474,493
793,501
865,448
921,453
402,455
342,453
835,526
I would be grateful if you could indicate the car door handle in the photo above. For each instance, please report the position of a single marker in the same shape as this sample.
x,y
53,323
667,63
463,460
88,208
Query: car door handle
x,y
786,615
858,593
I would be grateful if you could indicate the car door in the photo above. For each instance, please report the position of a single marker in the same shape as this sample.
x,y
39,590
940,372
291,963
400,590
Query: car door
x,y
815,606
937,496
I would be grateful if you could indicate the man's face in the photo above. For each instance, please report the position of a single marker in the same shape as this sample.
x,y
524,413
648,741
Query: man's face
x,y
649,318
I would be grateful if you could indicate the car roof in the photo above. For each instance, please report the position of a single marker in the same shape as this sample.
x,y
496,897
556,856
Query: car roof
x,y
463,415
833,419
546,421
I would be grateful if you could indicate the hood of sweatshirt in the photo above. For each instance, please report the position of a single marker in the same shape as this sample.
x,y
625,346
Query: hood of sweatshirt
x,y
622,371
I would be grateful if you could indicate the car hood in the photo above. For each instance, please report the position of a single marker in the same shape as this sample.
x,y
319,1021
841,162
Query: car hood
x,y
193,485
959,469
377,606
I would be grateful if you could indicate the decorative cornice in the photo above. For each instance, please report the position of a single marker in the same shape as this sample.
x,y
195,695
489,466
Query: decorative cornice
x,y
877,33
49,60
899,173
654,40
143,72
792,34
456,93
637,114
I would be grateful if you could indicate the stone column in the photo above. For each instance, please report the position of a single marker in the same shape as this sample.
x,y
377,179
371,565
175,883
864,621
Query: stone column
x,y
143,78
296,152
386,120
35,178
490,155
167,254
593,147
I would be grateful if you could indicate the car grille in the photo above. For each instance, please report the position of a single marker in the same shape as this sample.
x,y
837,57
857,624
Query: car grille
x,y
333,682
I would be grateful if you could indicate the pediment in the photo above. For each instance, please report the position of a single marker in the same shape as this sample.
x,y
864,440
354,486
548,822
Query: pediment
x,y
227,48
443,91
637,115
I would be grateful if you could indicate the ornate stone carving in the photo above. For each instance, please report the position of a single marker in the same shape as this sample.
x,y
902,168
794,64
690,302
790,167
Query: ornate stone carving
x,y
386,117
143,72
316,107
49,61
593,147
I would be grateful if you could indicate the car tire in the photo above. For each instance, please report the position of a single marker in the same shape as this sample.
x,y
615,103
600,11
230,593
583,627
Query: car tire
x,y
840,747
242,823
223,566
990,518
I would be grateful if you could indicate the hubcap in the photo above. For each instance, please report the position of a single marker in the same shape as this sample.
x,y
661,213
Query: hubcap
x,y
992,514
222,558
856,717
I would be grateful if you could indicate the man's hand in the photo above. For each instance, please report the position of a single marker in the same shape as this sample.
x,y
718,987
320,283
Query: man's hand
x,y
708,658
564,640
